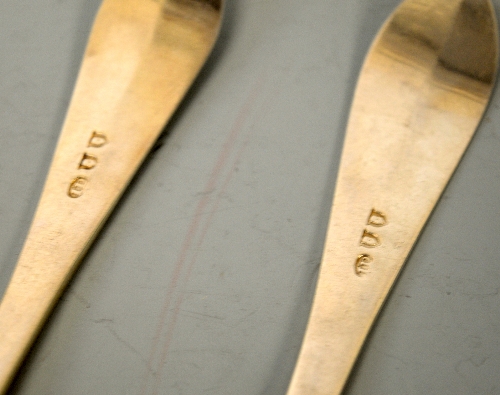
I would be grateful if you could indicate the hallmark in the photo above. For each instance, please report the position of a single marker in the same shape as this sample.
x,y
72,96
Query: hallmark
x,y
377,219
87,163
369,239
97,140
363,264
76,187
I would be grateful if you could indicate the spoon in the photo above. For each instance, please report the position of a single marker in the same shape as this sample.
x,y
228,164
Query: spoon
x,y
141,58
422,92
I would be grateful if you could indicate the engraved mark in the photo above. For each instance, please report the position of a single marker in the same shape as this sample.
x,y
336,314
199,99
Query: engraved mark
x,y
362,264
97,140
377,218
369,239
76,187
88,162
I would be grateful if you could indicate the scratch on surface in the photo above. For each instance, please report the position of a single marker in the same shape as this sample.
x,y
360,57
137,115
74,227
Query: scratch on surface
x,y
108,322
198,315
474,361
486,294
399,359
81,299
205,213
103,321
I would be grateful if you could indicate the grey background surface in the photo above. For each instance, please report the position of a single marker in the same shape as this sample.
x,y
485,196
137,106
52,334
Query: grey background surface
x,y
201,281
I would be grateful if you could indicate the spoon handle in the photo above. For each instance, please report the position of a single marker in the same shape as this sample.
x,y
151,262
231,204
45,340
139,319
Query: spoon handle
x,y
141,59
420,96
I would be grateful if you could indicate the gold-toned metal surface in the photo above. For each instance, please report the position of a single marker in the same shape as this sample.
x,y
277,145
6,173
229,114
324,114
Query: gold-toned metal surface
x,y
422,91
141,58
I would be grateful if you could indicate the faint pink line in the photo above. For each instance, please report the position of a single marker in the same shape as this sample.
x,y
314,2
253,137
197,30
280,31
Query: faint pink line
x,y
188,240
171,324
179,300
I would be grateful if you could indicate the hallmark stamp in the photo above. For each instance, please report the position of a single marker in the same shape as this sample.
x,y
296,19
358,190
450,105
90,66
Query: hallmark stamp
x,y
370,240
97,140
377,218
363,264
87,163
76,187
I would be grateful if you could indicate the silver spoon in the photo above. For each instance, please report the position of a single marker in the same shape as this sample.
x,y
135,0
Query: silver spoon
x,y
141,58
423,89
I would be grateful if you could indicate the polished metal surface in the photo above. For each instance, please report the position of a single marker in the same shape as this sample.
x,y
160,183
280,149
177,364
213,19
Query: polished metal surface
x,y
141,59
421,94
